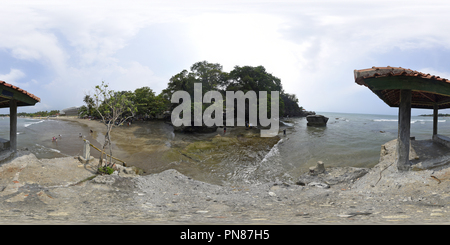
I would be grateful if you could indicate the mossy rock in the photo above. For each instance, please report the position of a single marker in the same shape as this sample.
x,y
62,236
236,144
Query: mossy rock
x,y
222,140
199,146
137,170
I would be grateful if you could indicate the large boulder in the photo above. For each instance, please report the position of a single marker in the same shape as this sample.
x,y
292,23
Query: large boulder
x,y
317,120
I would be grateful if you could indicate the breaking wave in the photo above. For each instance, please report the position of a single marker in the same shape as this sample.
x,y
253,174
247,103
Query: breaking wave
x,y
412,121
31,123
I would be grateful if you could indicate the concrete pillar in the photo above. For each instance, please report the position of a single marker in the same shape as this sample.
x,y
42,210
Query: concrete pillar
x,y
13,125
404,125
86,150
435,119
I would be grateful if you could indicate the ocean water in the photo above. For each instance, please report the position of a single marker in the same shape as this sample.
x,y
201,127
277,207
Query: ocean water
x,y
37,134
347,140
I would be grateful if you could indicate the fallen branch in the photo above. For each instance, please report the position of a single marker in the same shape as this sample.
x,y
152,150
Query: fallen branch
x,y
382,171
188,156
433,177
124,163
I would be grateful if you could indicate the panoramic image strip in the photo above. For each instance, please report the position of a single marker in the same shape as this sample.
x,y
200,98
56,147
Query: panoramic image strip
x,y
224,113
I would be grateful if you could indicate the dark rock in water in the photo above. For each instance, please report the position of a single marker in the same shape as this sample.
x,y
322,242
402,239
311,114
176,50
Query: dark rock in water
x,y
307,113
298,113
191,129
316,120
198,129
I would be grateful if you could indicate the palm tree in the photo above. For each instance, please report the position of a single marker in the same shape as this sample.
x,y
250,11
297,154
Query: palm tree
x,y
89,104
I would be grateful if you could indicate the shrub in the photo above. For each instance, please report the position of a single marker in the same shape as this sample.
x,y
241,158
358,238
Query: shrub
x,y
105,170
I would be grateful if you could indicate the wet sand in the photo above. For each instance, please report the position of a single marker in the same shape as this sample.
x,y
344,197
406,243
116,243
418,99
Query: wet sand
x,y
123,140
154,147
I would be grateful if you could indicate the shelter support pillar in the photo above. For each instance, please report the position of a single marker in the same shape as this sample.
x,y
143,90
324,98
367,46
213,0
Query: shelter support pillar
x,y
435,119
13,125
404,125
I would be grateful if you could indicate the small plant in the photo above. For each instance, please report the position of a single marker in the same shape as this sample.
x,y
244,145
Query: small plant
x,y
105,170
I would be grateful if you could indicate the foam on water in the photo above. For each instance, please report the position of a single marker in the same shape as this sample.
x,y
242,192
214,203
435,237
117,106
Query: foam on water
x,y
47,148
274,152
422,121
385,120
31,123
287,124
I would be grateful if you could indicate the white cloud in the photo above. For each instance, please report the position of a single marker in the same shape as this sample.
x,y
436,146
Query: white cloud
x,y
12,76
69,90
312,46
135,75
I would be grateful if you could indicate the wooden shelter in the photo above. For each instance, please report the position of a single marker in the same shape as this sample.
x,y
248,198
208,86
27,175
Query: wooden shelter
x,y
406,89
12,97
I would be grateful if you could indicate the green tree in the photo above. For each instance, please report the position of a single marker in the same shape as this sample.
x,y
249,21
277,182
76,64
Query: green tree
x,y
248,78
181,81
147,103
89,108
291,107
161,104
257,79
83,111
210,75
111,106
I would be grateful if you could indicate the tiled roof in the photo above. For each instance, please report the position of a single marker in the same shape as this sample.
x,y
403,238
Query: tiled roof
x,y
20,90
360,75
431,93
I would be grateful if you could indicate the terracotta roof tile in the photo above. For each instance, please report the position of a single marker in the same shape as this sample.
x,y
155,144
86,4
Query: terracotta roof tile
x,y
419,98
20,90
362,74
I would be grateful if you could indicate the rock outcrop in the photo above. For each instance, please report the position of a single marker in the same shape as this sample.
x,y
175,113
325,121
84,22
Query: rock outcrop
x,y
307,113
322,177
317,120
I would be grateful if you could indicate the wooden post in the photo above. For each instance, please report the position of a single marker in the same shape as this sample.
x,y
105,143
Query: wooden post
x,y
13,125
435,119
404,125
86,150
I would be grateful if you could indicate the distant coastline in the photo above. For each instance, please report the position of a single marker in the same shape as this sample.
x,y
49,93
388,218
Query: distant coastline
x,y
439,115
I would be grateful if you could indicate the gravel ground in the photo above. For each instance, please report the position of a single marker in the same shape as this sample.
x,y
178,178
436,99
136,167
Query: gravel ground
x,y
63,190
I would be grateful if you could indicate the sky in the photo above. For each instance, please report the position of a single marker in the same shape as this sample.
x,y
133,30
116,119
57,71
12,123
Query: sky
x,y
60,50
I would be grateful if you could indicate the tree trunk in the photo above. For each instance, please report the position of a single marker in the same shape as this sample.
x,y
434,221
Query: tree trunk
x,y
108,129
110,149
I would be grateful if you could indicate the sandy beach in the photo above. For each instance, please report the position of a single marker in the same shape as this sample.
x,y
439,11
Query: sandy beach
x,y
122,137
66,191
143,146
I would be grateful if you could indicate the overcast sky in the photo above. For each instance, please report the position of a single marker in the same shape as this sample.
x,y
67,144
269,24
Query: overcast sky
x,y
59,50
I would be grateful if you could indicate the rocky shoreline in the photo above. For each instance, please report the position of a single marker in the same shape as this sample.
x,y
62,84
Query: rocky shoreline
x,y
63,190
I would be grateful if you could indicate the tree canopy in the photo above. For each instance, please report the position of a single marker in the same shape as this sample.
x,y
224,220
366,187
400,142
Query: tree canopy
x,y
257,79
245,78
209,75
212,78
